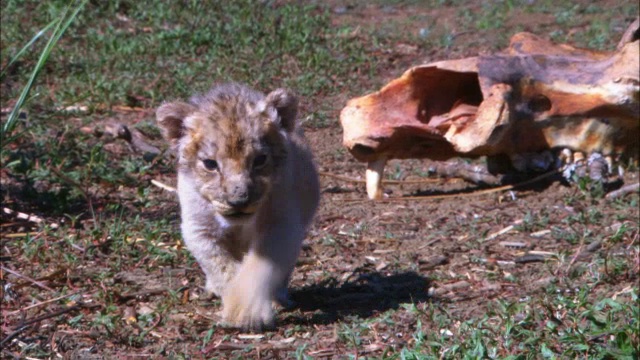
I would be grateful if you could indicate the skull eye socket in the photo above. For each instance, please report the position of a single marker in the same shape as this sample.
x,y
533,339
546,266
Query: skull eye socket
x,y
260,161
210,164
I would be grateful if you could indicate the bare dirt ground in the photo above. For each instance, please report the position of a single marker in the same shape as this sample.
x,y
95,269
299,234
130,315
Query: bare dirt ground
x,y
364,261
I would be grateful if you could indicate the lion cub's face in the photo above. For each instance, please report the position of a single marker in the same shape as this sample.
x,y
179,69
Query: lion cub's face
x,y
232,141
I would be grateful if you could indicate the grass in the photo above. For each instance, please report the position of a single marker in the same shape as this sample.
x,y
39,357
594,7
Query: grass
x,y
139,54
110,244
58,26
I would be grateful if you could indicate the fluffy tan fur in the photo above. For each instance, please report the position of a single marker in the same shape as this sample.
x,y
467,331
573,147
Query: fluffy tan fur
x,y
248,191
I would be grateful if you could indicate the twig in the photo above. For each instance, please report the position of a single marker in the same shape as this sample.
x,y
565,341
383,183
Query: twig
x,y
39,304
163,186
626,290
52,315
362,181
150,292
27,217
623,191
575,256
104,107
542,253
452,287
475,193
26,324
528,258
35,282
513,244
471,173
323,352
590,249
503,231
540,233
19,235
227,346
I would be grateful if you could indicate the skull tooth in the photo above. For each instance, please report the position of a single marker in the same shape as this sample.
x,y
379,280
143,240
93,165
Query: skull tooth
x,y
578,157
610,163
566,156
374,173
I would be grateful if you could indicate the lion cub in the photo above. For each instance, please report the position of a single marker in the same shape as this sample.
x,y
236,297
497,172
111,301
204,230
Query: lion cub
x,y
248,190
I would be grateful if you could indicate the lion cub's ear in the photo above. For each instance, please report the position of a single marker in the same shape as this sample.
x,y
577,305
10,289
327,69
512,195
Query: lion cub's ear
x,y
286,105
170,118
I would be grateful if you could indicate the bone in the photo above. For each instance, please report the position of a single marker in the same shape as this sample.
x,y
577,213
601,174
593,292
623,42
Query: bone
x,y
535,96
459,169
579,166
610,164
578,157
375,170
598,167
627,189
566,156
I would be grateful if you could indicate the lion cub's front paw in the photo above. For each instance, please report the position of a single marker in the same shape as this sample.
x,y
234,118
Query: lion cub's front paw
x,y
247,307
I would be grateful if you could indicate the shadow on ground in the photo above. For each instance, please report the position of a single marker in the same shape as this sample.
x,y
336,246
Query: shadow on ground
x,y
364,296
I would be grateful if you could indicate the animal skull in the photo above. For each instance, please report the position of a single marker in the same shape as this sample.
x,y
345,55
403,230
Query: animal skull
x,y
535,96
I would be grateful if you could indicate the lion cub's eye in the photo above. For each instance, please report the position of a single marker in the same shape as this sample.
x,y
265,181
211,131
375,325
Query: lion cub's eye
x,y
259,161
210,164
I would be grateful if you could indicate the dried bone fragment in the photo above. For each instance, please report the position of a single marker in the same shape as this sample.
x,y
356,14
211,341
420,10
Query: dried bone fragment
x,y
535,96
373,178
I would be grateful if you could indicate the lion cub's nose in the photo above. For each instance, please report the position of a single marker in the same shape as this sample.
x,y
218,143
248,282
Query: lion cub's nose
x,y
238,203
239,198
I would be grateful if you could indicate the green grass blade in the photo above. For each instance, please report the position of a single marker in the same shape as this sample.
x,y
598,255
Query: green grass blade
x,y
62,24
27,46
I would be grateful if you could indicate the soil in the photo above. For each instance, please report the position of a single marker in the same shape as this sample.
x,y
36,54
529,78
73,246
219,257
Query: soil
x,y
363,258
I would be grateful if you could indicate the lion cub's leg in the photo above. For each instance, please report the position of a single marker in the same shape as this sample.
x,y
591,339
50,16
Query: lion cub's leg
x,y
261,278
246,303
206,244
217,264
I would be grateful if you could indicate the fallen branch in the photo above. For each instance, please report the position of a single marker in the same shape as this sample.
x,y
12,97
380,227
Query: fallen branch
x,y
25,325
144,293
31,218
472,173
475,193
39,304
393,182
35,282
627,189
